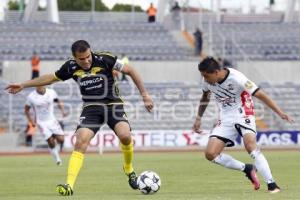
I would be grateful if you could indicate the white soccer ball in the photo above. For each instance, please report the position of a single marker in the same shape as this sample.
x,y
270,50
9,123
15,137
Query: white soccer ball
x,y
149,182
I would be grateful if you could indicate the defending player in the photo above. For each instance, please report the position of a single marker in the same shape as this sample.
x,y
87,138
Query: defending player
x,y
41,101
232,91
102,104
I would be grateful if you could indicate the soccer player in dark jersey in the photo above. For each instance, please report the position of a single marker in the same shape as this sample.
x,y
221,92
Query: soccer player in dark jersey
x,y
101,104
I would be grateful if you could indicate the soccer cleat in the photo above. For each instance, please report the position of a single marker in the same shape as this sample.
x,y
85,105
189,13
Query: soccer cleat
x,y
59,163
132,180
273,188
64,189
250,173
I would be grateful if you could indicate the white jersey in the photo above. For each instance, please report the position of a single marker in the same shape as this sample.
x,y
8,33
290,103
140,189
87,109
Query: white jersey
x,y
233,96
43,104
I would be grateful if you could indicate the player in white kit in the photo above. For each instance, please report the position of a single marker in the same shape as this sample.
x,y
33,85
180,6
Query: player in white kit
x,y
232,91
41,101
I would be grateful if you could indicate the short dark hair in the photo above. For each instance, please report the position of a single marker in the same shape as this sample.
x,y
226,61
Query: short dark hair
x,y
80,46
209,65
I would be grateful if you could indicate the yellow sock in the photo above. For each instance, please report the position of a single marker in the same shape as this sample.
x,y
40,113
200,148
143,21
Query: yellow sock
x,y
128,157
74,167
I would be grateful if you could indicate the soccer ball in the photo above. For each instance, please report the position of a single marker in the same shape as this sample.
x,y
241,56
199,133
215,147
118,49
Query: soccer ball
x,y
149,182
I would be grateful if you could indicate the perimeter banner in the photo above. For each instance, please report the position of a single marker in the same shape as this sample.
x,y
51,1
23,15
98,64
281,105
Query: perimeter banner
x,y
181,138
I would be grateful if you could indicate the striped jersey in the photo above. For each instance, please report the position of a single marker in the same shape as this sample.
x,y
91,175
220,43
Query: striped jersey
x,y
233,94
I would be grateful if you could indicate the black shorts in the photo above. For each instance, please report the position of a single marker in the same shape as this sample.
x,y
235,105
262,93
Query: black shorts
x,y
94,116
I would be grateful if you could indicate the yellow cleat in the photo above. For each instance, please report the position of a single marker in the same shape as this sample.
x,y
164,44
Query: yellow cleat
x,y
64,189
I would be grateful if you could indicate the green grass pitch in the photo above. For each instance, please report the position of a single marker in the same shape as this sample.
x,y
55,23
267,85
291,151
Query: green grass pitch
x,y
184,175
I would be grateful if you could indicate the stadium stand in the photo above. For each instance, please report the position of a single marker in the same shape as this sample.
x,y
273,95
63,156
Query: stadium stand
x,y
257,41
139,40
175,104
257,37
246,36
51,41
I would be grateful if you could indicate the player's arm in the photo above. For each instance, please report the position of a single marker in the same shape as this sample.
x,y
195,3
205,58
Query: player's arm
x,y
27,114
204,100
60,105
261,95
40,81
130,71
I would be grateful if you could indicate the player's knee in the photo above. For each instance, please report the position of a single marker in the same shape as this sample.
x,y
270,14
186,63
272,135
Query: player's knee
x,y
125,139
210,155
61,140
81,145
51,142
81,148
122,130
250,147
51,145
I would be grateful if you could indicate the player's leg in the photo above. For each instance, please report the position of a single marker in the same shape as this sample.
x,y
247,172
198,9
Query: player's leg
x,y
46,131
53,150
58,133
60,143
214,153
122,130
221,137
117,121
60,139
89,125
55,128
260,161
83,138
225,136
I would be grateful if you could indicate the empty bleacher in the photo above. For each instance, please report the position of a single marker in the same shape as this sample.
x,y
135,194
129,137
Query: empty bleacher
x,y
140,41
254,37
257,41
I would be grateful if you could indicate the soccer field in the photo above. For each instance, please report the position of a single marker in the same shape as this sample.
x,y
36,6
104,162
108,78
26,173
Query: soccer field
x,y
184,175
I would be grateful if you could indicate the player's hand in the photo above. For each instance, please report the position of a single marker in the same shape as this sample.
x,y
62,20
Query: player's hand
x,y
197,125
148,102
286,117
14,88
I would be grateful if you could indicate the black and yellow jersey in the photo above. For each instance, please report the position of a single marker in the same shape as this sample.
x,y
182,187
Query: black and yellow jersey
x,y
97,84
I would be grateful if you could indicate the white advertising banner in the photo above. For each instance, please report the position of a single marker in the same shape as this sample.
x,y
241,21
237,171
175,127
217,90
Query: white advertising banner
x,y
145,138
182,138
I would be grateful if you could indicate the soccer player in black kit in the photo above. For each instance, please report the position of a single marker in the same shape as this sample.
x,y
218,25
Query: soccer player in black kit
x,y
101,104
